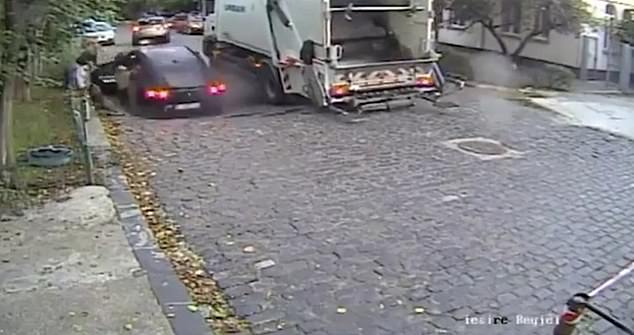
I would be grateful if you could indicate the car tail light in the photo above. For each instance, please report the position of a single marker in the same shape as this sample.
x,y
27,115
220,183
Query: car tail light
x,y
339,89
157,94
135,28
216,88
425,80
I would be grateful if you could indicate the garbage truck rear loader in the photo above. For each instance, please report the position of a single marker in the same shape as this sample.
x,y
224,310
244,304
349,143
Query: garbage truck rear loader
x,y
341,54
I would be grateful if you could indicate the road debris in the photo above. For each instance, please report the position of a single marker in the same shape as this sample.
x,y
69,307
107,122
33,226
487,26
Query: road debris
x,y
190,267
265,264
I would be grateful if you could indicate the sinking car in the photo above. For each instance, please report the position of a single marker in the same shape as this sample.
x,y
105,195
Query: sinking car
x,y
163,80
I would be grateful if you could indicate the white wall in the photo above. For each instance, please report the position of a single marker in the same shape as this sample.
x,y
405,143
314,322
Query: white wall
x,y
560,49
564,49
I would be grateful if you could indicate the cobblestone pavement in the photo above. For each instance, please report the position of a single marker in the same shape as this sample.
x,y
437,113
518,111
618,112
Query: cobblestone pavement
x,y
313,226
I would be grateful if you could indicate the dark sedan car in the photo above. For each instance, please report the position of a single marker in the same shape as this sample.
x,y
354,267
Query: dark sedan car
x,y
165,79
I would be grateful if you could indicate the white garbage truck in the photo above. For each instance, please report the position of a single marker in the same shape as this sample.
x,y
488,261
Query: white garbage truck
x,y
347,55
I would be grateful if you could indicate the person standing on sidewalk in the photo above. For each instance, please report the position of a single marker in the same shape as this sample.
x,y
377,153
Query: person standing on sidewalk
x,y
78,83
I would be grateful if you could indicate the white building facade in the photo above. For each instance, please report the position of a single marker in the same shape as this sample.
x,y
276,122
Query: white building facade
x,y
554,47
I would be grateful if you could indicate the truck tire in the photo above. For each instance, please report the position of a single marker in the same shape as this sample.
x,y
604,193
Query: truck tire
x,y
271,85
209,44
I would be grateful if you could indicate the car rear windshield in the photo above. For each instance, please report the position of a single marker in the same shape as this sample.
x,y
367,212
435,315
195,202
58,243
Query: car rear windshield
x,y
102,27
150,22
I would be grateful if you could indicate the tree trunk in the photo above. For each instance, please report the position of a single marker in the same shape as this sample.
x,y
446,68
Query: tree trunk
x,y
8,62
30,76
523,43
7,154
503,48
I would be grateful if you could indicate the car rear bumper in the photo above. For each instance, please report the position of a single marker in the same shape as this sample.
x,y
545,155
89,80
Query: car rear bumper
x,y
186,101
149,35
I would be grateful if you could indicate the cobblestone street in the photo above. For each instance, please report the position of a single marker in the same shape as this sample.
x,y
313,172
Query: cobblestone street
x,y
314,226
382,219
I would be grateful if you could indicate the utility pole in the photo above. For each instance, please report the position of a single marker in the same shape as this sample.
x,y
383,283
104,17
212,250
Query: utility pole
x,y
203,8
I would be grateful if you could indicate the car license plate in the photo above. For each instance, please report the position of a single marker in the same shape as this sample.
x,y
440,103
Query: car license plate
x,y
188,106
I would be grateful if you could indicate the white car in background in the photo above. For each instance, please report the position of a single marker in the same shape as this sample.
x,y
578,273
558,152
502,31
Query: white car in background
x,y
102,32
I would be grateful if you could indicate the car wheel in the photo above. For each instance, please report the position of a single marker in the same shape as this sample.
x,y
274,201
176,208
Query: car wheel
x,y
166,39
272,86
135,42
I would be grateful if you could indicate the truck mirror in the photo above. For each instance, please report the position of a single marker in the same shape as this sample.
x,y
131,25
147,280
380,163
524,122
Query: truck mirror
x,y
307,53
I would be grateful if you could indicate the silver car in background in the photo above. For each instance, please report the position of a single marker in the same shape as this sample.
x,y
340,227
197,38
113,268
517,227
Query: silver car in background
x,y
150,28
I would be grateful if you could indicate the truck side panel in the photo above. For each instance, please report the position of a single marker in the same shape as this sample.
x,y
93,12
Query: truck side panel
x,y
243,23
308,19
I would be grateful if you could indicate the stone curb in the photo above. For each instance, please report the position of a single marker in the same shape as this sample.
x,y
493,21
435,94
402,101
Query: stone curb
x,y
522,90
170,292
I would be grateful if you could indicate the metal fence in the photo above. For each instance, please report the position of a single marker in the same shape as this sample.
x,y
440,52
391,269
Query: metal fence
x,y
82,108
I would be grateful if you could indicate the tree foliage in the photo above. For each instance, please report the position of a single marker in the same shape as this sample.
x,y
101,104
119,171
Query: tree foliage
x,y
32,29
532,17
46,25
132,8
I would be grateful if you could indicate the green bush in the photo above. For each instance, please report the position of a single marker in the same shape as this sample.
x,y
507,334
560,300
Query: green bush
x,y
555,77
454,63
55,65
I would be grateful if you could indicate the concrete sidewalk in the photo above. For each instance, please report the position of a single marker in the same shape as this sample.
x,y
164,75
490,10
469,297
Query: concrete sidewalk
x,y
67,268
610,113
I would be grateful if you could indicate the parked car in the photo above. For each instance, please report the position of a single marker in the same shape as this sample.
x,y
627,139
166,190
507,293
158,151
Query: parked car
x,y
194,25
102,32
178,21
167,79
152,28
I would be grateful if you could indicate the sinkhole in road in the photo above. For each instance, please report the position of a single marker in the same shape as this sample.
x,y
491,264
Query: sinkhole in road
x,y
482,148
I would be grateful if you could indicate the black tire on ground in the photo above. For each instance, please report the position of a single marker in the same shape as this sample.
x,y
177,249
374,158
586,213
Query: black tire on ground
x,y
271,85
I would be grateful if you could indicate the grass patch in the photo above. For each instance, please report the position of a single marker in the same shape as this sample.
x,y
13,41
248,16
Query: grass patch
x,y
44,121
